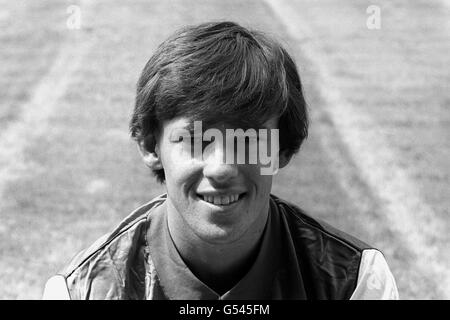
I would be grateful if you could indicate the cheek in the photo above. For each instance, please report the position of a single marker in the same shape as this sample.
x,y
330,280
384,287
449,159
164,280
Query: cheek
x,y
181,174
174,161
265,186
262,183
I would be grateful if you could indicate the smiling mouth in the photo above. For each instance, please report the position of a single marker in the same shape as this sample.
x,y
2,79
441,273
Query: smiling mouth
x,y
222,200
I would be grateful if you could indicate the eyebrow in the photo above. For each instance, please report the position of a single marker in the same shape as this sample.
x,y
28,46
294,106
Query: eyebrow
x,y
190,127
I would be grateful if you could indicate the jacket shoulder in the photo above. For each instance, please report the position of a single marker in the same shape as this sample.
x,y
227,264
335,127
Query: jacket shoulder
x,y
107,258
298,217
328,258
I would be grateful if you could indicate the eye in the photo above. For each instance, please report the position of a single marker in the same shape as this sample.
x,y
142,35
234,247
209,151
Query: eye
x,y
204,143
176,139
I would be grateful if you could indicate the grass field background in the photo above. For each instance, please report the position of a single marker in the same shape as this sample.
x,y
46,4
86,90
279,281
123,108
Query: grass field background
x,y
376,164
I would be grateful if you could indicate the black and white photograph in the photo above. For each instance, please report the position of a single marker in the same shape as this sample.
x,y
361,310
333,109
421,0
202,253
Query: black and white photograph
x,y
206,150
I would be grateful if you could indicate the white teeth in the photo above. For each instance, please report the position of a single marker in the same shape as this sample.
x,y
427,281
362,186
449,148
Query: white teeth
x,y
225,200
221,200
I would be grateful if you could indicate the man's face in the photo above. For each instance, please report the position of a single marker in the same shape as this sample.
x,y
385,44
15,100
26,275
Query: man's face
x,y
208,198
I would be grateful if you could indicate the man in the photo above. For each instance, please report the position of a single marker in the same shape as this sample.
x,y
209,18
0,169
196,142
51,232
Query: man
x,y
212,103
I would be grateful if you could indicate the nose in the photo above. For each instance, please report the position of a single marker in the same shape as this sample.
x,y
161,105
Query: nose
x,y
220,172
216,169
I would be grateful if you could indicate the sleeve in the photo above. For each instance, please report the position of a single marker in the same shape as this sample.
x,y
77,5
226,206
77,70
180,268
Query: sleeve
x,y
56,289
375,280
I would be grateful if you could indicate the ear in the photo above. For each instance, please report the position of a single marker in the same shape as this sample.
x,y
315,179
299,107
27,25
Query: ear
x,y
149,151
284,159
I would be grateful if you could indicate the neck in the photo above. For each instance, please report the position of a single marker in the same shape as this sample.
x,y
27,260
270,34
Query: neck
x,y
218,265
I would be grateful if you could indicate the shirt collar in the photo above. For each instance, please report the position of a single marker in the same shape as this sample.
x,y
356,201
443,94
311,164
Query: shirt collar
x,y
179,283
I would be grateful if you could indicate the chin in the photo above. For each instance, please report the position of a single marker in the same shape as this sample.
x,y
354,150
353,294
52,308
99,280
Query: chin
x,y
219,234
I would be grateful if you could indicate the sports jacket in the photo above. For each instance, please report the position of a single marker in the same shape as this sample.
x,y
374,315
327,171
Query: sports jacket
x,y
300,258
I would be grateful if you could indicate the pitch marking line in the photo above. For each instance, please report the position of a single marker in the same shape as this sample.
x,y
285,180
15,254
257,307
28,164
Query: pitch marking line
x,y
43,100
408,214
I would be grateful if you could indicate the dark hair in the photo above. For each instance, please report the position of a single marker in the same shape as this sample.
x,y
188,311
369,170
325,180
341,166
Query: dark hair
x,y
220,71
